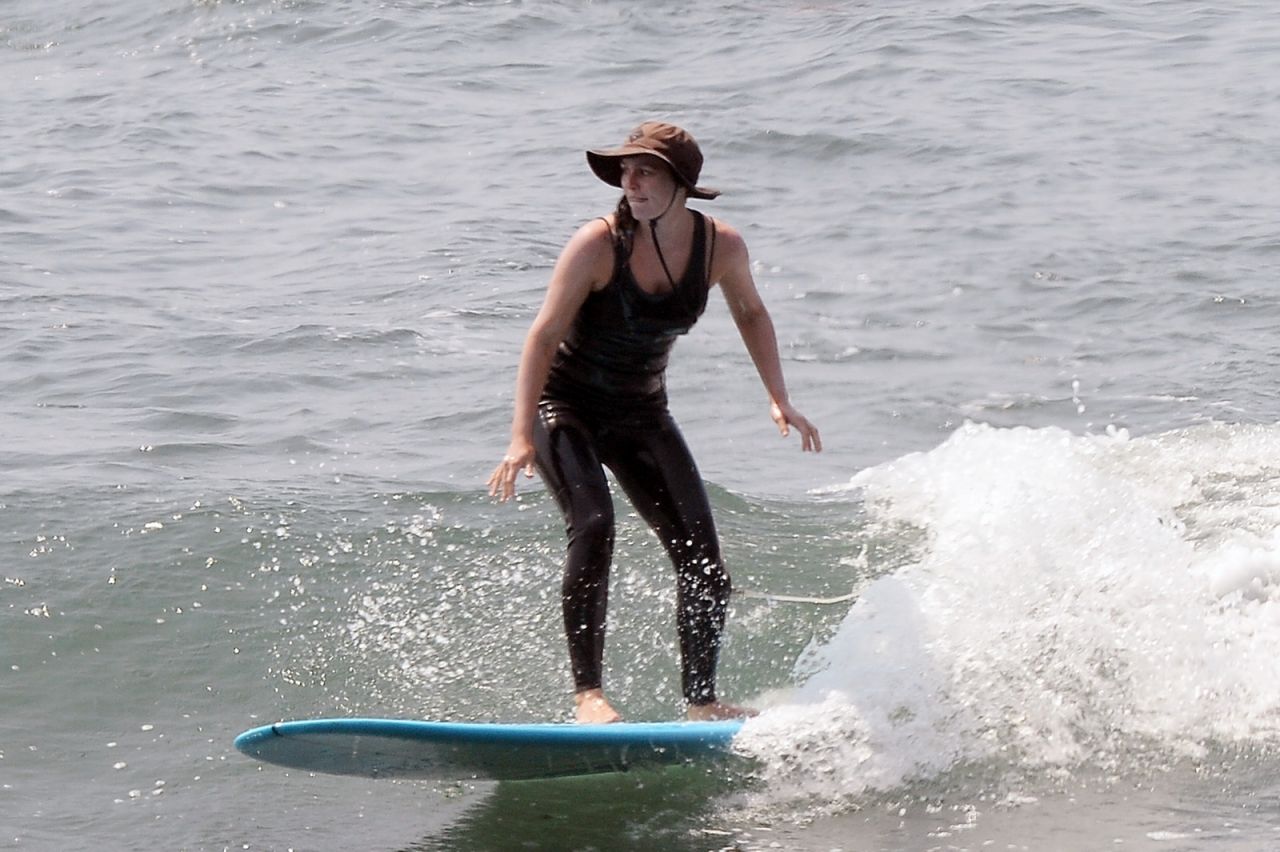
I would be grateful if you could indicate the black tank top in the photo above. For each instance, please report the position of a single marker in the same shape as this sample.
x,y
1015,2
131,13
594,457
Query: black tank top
x,y
614,358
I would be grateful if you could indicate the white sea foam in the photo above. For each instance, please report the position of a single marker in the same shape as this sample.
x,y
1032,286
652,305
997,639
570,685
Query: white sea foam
x,y
1080,600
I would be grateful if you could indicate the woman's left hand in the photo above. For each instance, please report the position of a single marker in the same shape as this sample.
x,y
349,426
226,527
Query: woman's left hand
x,y
786,417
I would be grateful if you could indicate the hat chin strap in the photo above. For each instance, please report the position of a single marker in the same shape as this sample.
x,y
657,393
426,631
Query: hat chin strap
x,y
653,223
653,232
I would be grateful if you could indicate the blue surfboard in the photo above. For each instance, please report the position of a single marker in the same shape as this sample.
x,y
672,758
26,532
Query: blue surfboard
x,y
455,751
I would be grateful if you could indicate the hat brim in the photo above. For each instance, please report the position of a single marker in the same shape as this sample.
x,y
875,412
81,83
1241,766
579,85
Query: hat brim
x,y
607,165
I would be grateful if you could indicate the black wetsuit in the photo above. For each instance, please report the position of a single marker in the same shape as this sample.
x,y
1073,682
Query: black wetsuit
x,y
605,405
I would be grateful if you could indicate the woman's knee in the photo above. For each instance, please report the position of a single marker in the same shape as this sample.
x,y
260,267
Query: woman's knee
x,y
591,534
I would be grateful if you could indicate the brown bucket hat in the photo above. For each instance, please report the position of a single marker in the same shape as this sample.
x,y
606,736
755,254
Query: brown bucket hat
x,y
669,143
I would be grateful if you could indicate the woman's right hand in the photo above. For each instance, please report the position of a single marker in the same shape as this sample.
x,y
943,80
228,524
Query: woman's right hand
x,y
502,482
587,260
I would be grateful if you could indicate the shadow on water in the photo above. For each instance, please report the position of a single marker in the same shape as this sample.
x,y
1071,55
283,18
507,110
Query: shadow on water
x,y
671,809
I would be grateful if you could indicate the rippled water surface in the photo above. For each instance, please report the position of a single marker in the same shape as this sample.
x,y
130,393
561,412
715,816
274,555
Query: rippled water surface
x,y
265,268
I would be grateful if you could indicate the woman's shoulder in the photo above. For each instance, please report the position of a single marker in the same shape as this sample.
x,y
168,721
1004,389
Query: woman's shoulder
x,y
723,230
728,239
589,255
594,232
730,260
592,237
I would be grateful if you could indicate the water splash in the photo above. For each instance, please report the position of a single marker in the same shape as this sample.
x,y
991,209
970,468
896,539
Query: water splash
x,y
1080,601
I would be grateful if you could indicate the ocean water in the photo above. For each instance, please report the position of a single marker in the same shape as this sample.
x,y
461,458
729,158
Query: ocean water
x,y
265,268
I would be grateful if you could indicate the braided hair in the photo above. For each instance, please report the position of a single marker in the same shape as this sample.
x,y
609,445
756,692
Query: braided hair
x,y
626,224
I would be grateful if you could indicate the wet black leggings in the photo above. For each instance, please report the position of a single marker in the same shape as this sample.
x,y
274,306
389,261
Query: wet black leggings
x,y
653,465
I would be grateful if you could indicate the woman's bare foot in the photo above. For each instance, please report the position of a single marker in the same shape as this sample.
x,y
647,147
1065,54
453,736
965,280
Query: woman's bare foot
x,y
592,708
717,710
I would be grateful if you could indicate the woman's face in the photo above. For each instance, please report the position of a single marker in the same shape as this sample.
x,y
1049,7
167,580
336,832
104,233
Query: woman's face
x,y
649,185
